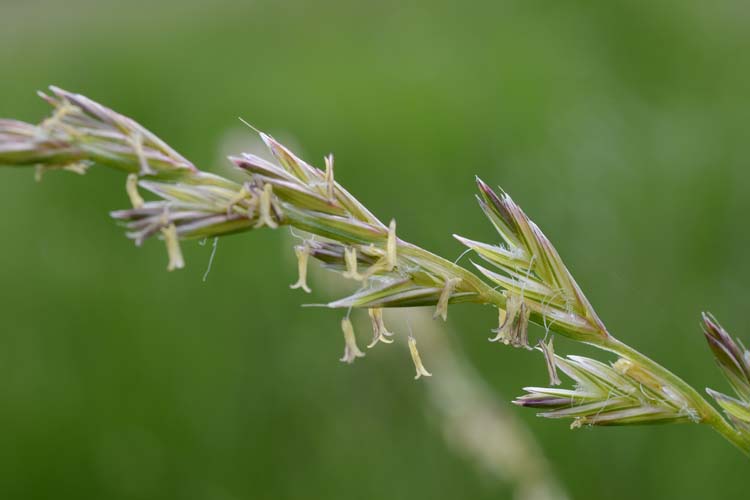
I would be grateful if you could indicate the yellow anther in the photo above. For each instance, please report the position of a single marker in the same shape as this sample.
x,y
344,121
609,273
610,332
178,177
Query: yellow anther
x,y
421,370
302,252
79,168
137,142
442,306
514,323
173,248
265,218
60,113
350,258
241,195
379,332
351,351
131,187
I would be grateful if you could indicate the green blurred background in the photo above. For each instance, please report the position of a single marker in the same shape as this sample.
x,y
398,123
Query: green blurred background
x,y
620,126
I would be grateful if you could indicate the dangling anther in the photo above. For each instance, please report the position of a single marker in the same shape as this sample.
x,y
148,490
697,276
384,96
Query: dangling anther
x,y
379,332
502,317
302,252
514,323
173,248
131,187
351,351
421,370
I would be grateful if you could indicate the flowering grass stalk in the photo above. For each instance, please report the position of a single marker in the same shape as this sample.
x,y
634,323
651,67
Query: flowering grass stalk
x,y
524,277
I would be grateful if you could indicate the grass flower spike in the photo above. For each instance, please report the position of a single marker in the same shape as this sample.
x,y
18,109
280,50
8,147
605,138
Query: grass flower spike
x,y
523,276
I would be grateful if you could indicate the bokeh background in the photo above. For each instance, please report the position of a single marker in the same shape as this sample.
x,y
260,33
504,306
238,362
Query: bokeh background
x,y
620,126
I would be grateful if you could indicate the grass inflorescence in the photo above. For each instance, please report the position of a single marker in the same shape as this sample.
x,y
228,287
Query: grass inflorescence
x,y
523,277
